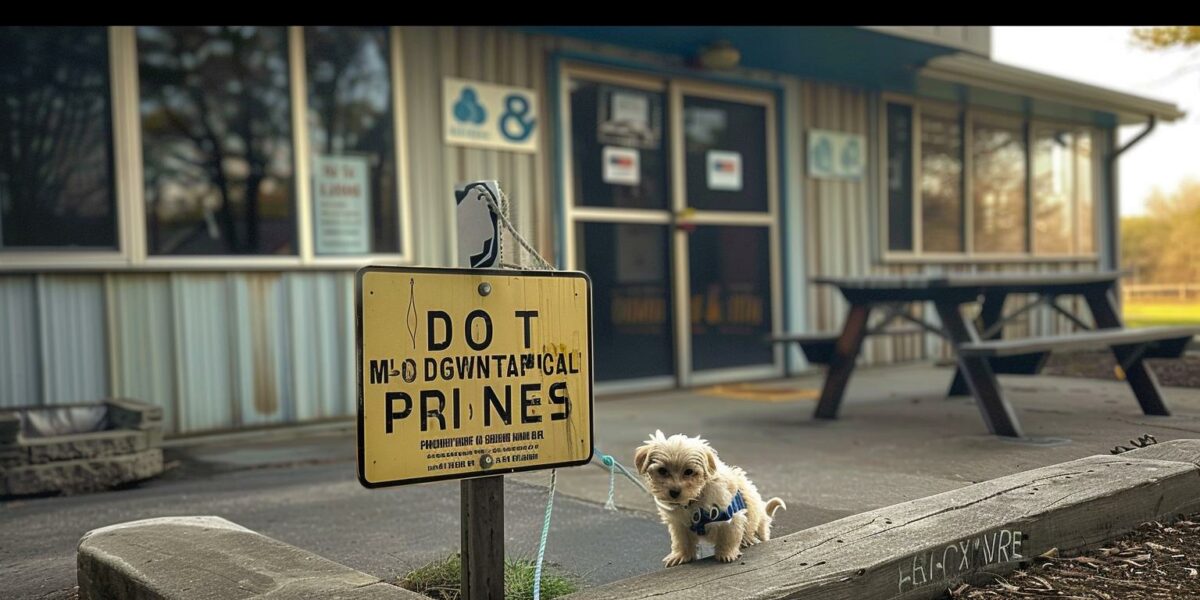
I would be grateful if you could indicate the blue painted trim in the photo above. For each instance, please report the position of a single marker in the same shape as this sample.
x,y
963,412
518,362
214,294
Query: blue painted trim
x,y
560,160
661,71
785,232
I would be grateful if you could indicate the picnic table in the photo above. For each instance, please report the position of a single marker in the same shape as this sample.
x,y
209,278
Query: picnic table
x,y
977,344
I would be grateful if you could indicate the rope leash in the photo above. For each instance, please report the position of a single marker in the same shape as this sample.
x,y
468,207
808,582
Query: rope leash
x,y
500,206
537,571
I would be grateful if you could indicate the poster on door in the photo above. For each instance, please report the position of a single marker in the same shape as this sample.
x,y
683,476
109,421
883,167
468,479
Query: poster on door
x,y
724,170
341,204
621,166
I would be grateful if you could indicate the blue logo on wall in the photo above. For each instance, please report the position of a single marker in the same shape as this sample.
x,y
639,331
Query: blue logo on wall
x,y
467,108
823,155
515,124
851,156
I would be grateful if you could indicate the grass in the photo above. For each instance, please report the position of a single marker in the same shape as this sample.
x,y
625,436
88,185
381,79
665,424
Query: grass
x,y
1147,314
440,579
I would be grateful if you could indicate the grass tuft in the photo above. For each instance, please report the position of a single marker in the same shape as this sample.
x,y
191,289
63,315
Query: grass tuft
x,y
440,579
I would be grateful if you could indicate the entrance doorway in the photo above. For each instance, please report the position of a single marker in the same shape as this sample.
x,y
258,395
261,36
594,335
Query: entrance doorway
x,y
672,208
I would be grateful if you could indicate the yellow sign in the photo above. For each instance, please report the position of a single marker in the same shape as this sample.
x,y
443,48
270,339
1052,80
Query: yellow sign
x,y
471,372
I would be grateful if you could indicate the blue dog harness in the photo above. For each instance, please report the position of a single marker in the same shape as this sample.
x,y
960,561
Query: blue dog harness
x,y
702,517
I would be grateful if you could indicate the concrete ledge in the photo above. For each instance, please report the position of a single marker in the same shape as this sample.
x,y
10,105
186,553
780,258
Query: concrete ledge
x,y
80,475
209,558
918,549
111,442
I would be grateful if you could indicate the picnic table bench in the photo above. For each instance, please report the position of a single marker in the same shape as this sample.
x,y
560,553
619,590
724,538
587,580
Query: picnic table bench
x,y
978,347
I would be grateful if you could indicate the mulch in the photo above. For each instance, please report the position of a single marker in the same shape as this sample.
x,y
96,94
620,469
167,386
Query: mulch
x,y
1157,560
1180,372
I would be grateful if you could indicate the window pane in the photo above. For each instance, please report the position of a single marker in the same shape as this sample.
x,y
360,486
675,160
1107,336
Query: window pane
x,y
354,193
941,184
899,177
216,140
1085,190
730,269
618,150
631,298
1053,189
725,154
56,171
999,188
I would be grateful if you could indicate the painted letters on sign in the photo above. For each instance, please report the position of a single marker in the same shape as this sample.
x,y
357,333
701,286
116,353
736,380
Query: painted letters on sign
x,y
470,372
489,116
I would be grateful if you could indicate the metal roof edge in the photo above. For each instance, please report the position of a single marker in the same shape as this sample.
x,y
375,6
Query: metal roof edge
x,y
973,70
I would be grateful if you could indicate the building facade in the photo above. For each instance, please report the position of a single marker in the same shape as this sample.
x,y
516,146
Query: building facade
x,y
182,209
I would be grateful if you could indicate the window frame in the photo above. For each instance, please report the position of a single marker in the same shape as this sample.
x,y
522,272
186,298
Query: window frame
x,y
40,256
970,115
128,181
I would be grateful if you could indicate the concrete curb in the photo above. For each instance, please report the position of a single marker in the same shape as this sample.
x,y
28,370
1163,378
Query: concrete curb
x,y
917,549
209,558
921,548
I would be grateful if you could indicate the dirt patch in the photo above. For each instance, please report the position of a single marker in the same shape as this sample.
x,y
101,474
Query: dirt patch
x,y
1155,561
1172,372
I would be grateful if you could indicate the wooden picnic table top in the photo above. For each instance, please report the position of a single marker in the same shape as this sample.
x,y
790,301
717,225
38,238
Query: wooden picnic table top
x,y
1012,282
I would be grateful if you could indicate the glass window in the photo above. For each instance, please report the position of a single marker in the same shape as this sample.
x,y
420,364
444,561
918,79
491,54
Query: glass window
x,y
351,129
56,156
1084,188
629,267
899,177
725,154
1053,191
998,182
941,184
618,146
730,270
216,140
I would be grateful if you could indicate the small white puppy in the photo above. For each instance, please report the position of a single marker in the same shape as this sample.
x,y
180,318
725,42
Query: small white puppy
x,y
698,496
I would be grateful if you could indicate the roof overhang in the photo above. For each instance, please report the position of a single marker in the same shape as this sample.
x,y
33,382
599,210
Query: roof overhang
x,y
980,73
855,55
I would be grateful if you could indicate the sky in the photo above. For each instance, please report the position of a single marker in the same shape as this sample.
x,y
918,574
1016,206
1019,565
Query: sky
x,y
1105,56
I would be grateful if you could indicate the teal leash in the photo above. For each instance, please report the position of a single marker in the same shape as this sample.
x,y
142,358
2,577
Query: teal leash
x,y
613,466
537,571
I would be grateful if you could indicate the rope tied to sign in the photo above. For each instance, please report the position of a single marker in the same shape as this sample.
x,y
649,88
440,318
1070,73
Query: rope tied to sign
x,y
499,206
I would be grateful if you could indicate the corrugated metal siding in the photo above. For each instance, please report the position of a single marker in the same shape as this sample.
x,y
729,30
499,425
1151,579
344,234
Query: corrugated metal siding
x,y
71,327
20,343
489,55
215,350
142,341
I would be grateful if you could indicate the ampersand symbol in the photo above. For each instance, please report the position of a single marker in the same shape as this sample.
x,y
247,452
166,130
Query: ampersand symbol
x,y
513,124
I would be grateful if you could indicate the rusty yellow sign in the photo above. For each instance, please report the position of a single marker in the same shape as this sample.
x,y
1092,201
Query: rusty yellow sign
x,y
471,372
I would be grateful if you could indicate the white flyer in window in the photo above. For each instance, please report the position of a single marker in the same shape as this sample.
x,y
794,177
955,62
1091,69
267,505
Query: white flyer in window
x,y
724,170
341,204
622,166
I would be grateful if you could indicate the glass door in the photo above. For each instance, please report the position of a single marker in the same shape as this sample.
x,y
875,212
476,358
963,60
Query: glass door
x,y
726,233
671,210
619,221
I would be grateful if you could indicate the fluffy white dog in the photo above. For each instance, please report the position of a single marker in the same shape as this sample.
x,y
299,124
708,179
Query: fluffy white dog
x,y
698,496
